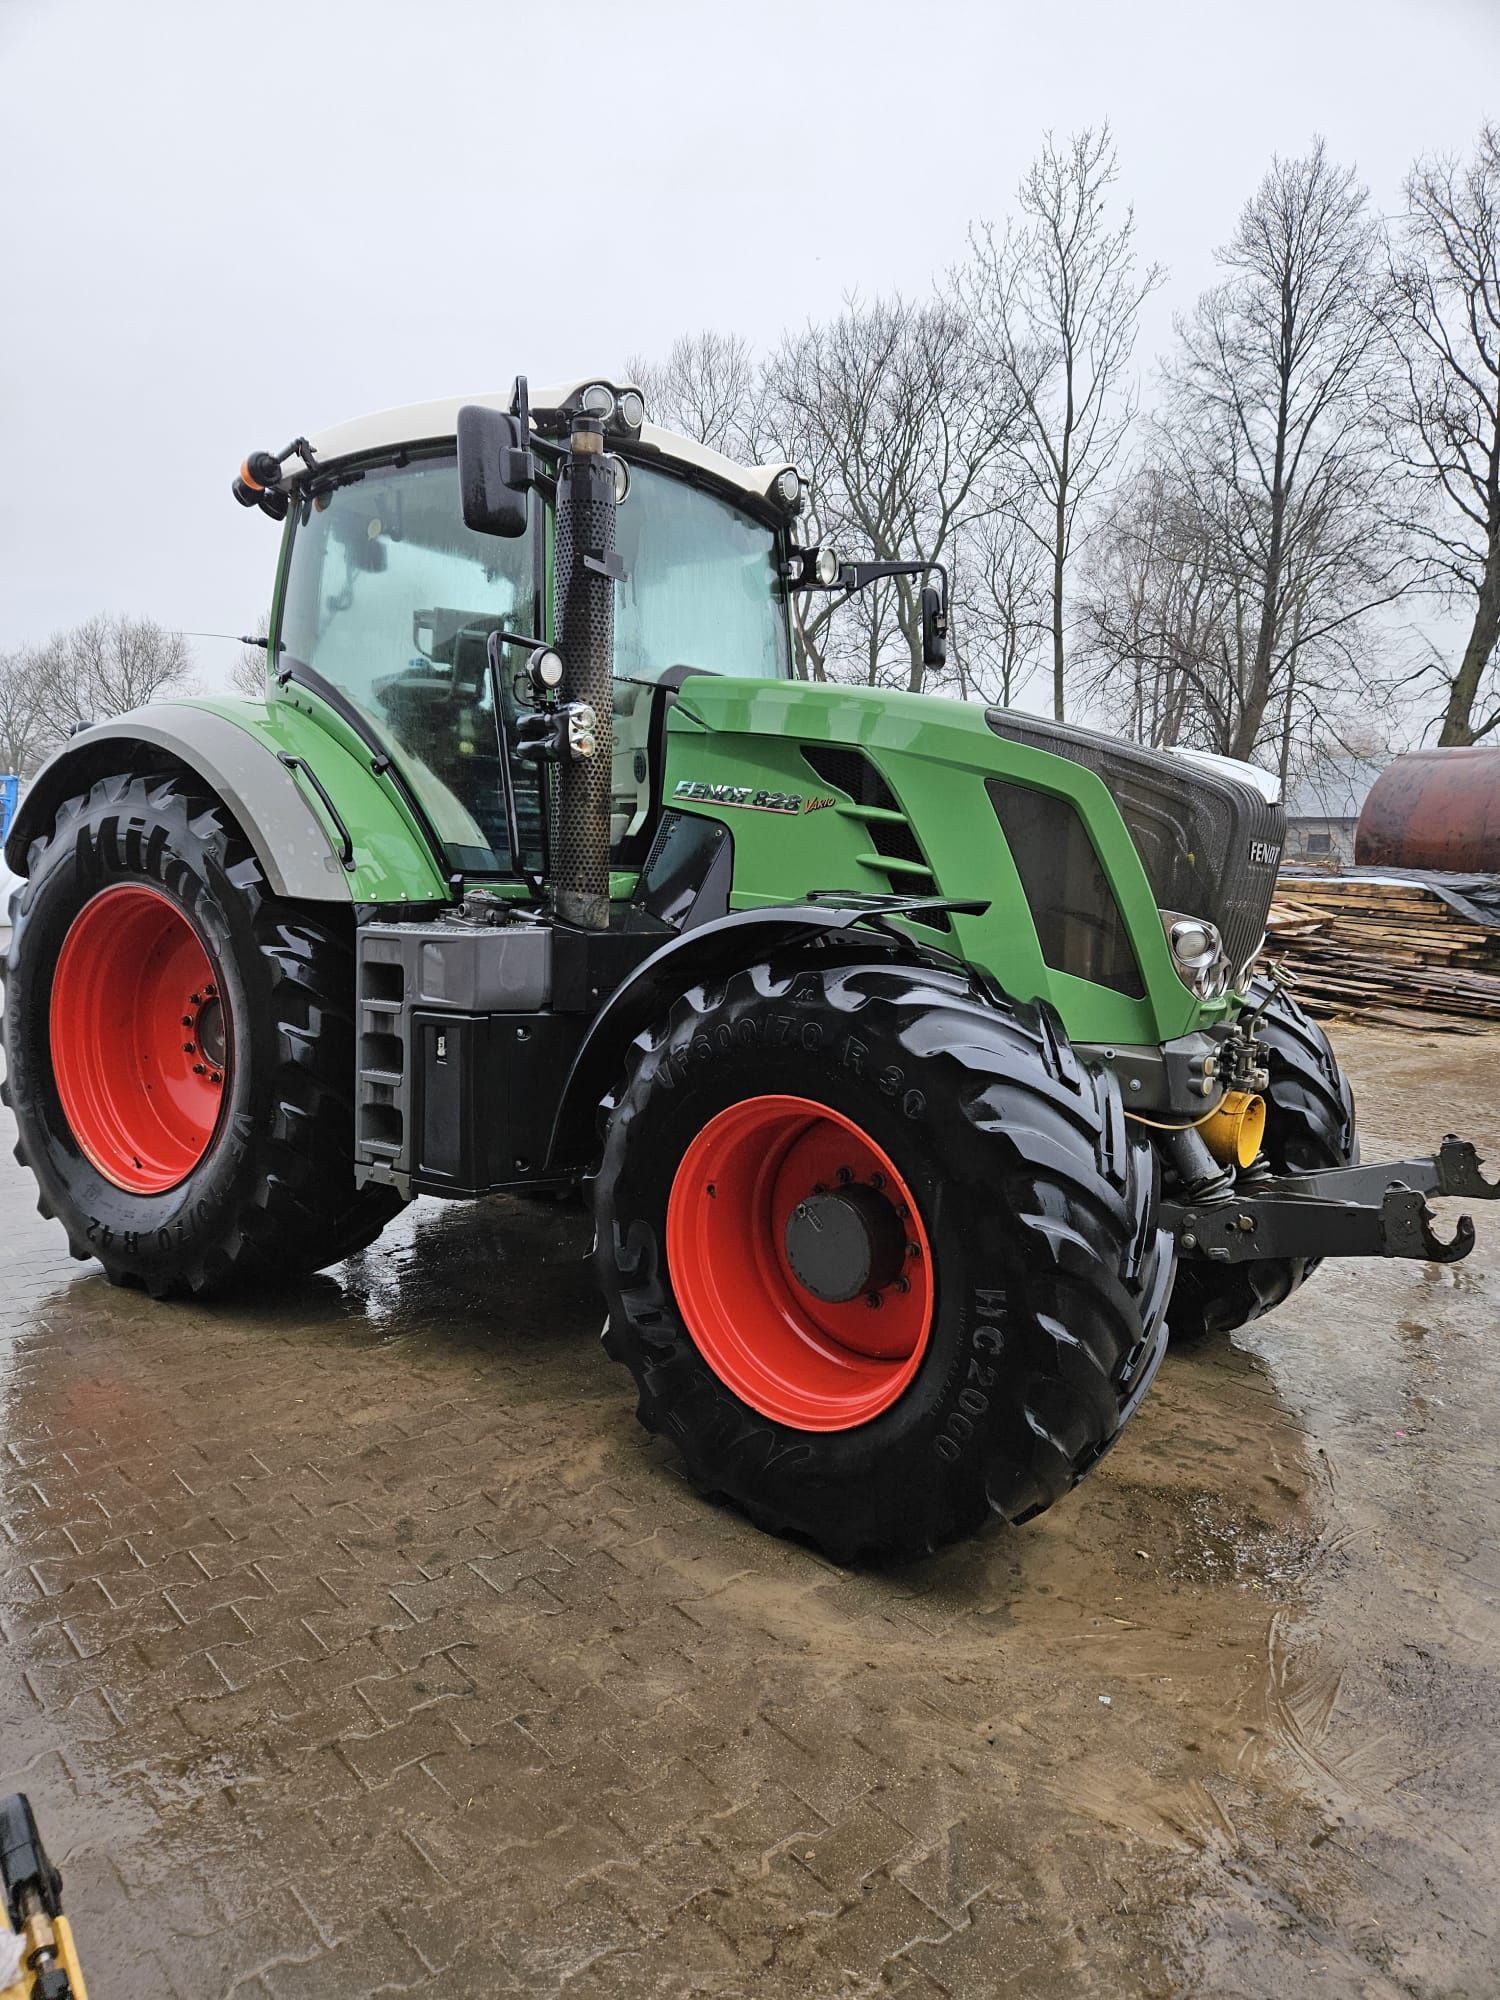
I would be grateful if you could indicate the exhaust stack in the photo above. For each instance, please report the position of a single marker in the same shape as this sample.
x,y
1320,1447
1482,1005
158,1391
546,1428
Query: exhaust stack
x,y
586,567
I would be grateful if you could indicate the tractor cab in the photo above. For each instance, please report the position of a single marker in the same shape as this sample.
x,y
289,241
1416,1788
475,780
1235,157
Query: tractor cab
x,y
389,597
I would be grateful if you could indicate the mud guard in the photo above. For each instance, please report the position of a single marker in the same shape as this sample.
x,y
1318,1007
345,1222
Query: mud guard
x,y
269,779
707,951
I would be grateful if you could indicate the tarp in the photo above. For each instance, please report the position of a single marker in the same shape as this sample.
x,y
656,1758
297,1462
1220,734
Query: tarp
x,y
9,797
1476,897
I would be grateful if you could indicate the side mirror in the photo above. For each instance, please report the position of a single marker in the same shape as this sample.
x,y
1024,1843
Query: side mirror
x,y
934,627
494,470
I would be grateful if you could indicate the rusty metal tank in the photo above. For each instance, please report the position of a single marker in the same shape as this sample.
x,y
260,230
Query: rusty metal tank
x,y
1434,809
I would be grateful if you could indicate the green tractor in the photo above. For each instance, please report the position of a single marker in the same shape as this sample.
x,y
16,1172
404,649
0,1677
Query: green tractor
x,y
911,1052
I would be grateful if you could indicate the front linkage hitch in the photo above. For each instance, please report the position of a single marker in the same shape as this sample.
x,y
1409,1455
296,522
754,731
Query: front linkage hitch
x,y
1367,1211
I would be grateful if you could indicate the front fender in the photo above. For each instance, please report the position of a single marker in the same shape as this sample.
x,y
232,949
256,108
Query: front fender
x,y
237,749
708,951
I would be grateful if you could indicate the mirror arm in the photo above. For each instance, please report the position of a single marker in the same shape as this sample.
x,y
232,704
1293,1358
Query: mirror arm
x,y
521,639
855,576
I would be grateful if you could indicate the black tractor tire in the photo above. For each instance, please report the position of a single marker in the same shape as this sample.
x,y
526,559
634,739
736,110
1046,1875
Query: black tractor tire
x,y
1050,1274
273,1195
1309,1124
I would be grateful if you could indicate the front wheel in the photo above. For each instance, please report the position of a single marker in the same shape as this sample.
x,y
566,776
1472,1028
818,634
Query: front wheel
x,y
179,1048
1309,1125
882,1257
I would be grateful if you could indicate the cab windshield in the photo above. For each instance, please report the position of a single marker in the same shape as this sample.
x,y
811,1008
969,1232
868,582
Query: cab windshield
x,y
391,598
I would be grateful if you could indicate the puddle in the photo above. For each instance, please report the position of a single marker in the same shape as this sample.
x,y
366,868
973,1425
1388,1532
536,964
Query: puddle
x,y
327,1612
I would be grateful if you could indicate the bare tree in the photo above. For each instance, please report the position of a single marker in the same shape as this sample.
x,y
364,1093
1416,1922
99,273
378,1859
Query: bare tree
x,y
1269,424
1156,606
707,388
1056,296
1001,606
106,666
247,672
893,414
1445,274
24,733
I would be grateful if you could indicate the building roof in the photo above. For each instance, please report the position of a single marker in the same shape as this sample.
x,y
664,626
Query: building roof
x,y
430,423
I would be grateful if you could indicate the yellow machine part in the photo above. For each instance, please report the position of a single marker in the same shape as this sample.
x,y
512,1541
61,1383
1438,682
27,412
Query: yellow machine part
x,y
1234,1129
67,1957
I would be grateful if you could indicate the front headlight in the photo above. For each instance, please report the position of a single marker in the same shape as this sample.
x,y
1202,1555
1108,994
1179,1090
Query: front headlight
x,y
1198,954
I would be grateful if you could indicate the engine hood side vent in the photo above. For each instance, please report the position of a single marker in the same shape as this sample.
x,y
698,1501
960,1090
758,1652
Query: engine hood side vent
x,y
897,852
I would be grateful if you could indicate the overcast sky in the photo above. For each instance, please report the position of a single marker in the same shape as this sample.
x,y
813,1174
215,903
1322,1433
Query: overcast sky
x,y
223,226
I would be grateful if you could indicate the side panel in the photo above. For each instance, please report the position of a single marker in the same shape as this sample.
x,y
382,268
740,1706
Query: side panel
x,y
934,755
236,747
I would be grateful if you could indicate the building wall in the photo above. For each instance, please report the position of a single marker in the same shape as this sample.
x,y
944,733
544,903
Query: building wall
x,y
1330,841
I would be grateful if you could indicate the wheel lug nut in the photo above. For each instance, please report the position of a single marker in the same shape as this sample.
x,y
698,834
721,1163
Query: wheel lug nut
x,y
903,1284
187,1048
198,1069
873,1299
913,1250
877,1180
187,1020
846,1174
216,1077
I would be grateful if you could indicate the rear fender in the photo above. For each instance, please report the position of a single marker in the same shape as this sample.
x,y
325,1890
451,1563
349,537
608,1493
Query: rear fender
x,y
323,827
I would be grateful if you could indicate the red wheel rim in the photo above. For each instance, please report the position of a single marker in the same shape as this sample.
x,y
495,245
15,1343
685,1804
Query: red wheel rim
x,y
139,1039
801,1359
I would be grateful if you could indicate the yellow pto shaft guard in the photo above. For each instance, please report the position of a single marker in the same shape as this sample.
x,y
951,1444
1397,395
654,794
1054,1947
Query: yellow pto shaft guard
x,y
1234,1130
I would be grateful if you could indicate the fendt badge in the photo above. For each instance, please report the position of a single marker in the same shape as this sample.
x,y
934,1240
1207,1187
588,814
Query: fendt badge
x,y
1265,851
737,795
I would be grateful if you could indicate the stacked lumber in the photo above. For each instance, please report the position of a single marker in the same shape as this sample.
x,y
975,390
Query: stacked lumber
x,y
1391,951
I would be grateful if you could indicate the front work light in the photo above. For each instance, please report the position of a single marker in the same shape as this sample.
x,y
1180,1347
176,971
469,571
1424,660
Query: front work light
x,y
546,668
1198,953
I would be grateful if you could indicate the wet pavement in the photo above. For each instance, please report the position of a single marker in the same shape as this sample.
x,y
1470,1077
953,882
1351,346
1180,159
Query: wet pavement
x,y
358,1642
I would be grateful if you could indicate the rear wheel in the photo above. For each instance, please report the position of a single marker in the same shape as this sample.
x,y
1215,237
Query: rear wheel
x,y
179,1048
882,1258
1309,1124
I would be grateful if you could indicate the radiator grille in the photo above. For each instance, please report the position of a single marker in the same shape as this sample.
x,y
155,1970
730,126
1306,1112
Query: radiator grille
x,y
1210,843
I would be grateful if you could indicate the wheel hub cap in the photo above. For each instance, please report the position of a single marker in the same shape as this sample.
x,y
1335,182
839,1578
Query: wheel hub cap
x,y
840,1245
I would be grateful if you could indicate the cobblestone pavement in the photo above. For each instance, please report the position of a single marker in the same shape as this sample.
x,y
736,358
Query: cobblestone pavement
x,y
356,1641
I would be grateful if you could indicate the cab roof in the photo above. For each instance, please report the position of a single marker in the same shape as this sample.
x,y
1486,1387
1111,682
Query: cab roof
x,y
437,422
